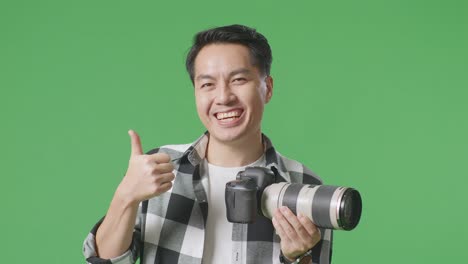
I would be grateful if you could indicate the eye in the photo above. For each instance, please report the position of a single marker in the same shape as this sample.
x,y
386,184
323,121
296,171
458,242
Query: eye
x,y
240,80
206,85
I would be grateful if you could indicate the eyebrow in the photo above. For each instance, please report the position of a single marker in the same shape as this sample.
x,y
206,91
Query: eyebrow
x,y
235,72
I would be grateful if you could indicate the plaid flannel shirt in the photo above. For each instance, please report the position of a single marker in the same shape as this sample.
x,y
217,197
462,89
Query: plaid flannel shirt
x,y
170,228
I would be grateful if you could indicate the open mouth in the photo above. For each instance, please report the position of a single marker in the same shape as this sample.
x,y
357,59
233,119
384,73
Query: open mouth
x,y
229,115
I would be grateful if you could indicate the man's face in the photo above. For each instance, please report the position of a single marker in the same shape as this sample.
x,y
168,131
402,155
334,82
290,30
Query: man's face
x,y
230,92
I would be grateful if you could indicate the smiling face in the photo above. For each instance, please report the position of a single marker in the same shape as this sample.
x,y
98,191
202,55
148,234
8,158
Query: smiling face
x,y
230,93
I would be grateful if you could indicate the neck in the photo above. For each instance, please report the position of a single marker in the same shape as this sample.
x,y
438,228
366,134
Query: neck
x,y
235,154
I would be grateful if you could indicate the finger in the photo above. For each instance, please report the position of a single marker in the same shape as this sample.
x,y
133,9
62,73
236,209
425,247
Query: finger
x,y
279,230
311,234
293,221
135,143
160,157
164,178
287,228
308,225
163,168
165,187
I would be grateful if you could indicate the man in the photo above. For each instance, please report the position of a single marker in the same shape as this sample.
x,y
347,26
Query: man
x,y
169,207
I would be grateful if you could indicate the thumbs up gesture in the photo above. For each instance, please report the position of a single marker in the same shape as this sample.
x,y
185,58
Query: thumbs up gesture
x,y
147,175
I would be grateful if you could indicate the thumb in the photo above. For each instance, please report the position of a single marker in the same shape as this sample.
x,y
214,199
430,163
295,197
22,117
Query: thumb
x,y
136,143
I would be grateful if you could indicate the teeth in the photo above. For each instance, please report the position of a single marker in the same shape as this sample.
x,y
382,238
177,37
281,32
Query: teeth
x,y
228,115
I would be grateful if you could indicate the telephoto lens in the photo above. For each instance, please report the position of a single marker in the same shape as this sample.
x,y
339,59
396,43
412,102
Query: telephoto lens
x,y
331,207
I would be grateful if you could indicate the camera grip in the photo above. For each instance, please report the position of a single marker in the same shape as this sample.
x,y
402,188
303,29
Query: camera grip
x,y
241,201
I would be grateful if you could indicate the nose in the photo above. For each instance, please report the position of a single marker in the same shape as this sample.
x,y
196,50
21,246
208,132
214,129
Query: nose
x,y
225,95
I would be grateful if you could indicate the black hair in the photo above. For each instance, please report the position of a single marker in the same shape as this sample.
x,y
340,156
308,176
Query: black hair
x,y
260,51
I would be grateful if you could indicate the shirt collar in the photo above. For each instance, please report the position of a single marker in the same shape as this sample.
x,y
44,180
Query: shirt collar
x,y
197,152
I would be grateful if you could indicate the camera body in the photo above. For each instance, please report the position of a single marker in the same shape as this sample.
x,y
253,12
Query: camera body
x,y
243,196
256,191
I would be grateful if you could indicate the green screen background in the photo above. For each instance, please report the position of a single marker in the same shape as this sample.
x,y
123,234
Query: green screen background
x,y
368,94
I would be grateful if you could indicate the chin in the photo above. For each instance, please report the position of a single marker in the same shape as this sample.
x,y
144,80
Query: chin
x,y
227,136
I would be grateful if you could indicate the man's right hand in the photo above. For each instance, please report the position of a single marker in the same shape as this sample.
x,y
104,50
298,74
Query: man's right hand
x,y
147,175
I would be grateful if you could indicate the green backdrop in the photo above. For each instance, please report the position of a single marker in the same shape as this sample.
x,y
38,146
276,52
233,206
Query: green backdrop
x,y
369,94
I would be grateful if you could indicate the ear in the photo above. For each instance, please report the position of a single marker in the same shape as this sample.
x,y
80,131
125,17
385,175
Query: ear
x,y
269,88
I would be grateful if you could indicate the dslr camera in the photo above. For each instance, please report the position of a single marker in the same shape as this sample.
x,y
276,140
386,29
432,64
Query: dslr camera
x,y
255,191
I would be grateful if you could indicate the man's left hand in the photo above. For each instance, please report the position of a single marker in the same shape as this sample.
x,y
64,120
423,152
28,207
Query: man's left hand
x,y
298,234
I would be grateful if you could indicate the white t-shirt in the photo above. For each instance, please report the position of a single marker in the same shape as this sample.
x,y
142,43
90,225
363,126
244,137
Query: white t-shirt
x,y
218,233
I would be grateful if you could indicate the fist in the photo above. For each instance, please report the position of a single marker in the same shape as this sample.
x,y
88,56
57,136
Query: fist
x,y
147,175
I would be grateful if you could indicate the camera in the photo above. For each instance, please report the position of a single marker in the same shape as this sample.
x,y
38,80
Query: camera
x,y
256,191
